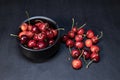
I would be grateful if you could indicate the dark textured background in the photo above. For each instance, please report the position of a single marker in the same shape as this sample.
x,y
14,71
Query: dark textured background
x,y
100,14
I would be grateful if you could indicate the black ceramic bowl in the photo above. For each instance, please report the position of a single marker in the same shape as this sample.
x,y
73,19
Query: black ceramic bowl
x,y
41,54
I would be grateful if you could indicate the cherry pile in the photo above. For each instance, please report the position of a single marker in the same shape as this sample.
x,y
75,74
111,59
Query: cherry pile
x,y
38,35
82,44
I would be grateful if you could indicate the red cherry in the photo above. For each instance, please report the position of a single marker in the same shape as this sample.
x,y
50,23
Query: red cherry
x,y
50,34
69,43
90,34
41,45
31,43
76,64
38,24
65,38
74,29
75,53
23,39
78,38
71,34
42,36
51,42
35,29
29,27
96,38
79,45
24,27
88,43
55,32
86,54
94,58
80,31
94,48
43,26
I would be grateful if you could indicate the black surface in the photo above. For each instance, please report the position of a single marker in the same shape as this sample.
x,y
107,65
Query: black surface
x,y
101,15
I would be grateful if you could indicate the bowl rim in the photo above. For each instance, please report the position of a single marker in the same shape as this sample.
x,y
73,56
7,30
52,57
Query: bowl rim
x,y
48,19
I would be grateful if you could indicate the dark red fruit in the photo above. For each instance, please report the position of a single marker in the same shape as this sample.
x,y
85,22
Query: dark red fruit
x,y
80,31
95,39
43,26
69,43
90,34
74,29
78,38
50,34
88,43
71,34
94,48
76,64
23,39
65,38
86,54
55,32
79,45
94,58
51,42
41,45
35,29
31,43
75,53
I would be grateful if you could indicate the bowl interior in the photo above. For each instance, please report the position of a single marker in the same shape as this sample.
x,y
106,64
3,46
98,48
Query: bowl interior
x,y
51,23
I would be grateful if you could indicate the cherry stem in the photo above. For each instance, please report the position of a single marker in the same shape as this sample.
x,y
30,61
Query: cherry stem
x,y
13,35
39,21
87,66
73,22
27,16
82,26
69,49
84,59
101,35
80,54
60,29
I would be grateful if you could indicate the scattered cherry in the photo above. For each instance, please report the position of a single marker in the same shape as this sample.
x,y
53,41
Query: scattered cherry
x,y
75,53
71,34
79,45
94,48
90,33
69,43
94,58
65,38
88,43
78,38
76,64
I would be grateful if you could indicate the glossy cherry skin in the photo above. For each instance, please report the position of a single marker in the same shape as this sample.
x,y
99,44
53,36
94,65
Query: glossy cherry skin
x,y
51,42
79,45
95,57
40,37
74,29
88,43
50,34
31,43
23,39
43,26
78,38
38,24
55,32
24,27
65,38
86,54
94,48
90,34
76,64
35,29
69,43
41,44
75,53
94,39
71,34
80,31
